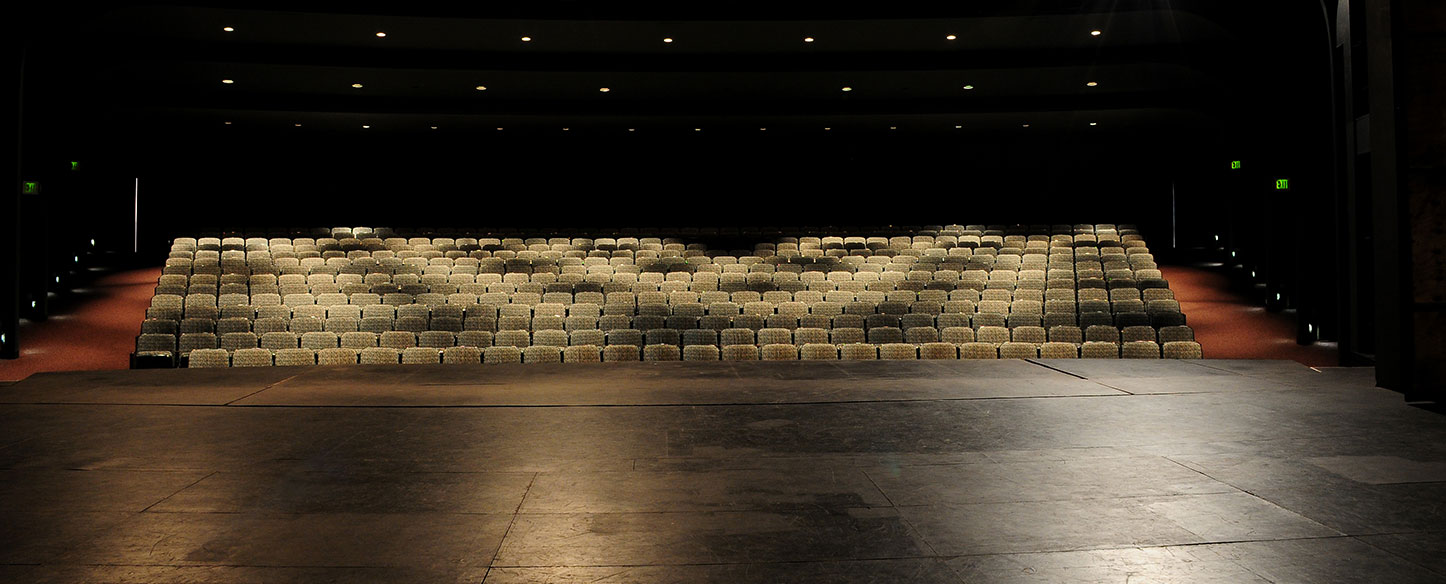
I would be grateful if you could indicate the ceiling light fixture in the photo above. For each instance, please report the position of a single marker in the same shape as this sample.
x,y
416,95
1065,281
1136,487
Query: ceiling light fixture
x,y
297,125
434,127
827,129
632,129
228,29
381,35
499,129
958,127
228,123
763,129
697,129
667,39
1094,123
950,37
357,85
527,39
227,81
1026,125
1093,84
364,126
603,89
481,88
847,88
1095,33
807,39
567,129
968,87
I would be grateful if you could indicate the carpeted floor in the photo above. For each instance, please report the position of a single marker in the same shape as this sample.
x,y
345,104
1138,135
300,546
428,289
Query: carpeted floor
x,y
93,329
1230,326
96,328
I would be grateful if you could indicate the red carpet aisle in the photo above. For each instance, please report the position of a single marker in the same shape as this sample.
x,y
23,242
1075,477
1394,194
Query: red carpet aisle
x,y
1230,326
95,329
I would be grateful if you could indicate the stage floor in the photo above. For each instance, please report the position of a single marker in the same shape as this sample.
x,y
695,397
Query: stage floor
x,y
909,471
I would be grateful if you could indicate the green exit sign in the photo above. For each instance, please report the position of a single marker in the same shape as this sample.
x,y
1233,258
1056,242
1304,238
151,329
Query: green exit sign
x,y
1234,165
1282,184
30,187
75,165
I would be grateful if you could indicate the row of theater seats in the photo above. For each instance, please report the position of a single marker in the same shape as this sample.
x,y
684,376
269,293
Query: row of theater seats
x,y
1034,335
258,357
1084,284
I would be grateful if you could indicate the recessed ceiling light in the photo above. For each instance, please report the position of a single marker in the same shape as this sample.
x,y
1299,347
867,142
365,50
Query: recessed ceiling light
x,y
1095,33
227,123
381,35
847,88
356,85
527,39
603,89
481,88
807,39
893,127
499,129
228,29
968,87
697,129
632,129
958,127
827,129
567,129
950,37
763,129
364,126
1026,125
434,127
1093,83
1094,123
297,125
667,39
227,81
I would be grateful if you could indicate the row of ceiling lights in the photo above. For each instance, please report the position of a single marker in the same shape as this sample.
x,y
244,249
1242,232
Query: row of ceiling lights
x,y
669,40
526,39
764,129
846,88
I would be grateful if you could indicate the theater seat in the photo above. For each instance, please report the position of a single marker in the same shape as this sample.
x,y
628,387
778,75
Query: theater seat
x,y
501,354
1183,350
380,356
668,352
462,355
209,358
818,352
338,356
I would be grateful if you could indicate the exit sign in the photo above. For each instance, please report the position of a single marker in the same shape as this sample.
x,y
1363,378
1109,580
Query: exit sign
x,y
1282,184
30,187
1234,165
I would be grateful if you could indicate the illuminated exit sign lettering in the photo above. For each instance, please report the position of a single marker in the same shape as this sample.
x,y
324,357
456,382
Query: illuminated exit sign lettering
x,y
1282,184
1234,165
30,187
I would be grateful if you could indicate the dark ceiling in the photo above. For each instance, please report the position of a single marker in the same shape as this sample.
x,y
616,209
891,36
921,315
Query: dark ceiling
x,y
1155,64
738,102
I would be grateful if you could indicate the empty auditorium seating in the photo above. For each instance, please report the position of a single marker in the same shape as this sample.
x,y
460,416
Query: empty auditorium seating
x,y
948,292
